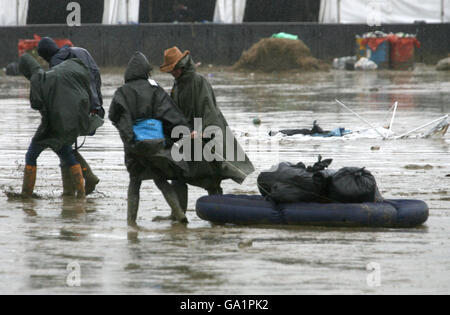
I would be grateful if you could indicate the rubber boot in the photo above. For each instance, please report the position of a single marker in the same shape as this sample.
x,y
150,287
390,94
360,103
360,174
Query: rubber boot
x,y
215,191
181,189
78,179
29,181
90,178
133,200
68,184
171,197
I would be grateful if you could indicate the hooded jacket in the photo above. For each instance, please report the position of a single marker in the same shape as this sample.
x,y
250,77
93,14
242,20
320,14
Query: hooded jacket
x,y
195,97
62,96
141,98
54,55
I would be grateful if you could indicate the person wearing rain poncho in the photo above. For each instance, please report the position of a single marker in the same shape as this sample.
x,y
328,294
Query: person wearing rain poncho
x,y
195,97
54,55
62,96
141,99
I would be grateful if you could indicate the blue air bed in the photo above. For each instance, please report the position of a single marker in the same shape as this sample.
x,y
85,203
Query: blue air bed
x,y
253,210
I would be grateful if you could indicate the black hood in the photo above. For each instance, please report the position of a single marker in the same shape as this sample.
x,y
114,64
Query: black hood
x,y
138,68
47,48
28,66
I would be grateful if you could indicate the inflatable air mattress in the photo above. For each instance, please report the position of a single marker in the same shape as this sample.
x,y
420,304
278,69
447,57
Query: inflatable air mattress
x,y
253,210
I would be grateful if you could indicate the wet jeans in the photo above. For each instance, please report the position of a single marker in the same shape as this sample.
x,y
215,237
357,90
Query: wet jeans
x,y
66,156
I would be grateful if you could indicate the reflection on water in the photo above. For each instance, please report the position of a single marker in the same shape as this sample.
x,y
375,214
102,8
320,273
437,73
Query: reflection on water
x,y
39,238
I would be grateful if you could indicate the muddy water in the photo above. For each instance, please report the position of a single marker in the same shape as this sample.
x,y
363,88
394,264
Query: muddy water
x,y
39,239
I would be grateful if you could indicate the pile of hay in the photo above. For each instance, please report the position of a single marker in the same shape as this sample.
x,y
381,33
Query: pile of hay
x,y
276,54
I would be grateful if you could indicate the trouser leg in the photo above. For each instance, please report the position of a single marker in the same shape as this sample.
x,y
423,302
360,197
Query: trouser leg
x,y
33,153
133,199
171,197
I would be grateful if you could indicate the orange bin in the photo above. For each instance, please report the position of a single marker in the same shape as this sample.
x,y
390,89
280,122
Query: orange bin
x,y
403,52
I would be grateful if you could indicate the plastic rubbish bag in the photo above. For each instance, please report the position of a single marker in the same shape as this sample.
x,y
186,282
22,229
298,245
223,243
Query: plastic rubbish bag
x,y
353,185
340,63
365,64
443,65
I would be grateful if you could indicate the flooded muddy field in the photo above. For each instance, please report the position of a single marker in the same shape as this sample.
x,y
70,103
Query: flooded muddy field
x,y
41,240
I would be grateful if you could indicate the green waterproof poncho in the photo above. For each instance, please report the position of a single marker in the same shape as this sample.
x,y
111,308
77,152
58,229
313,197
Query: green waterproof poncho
x,y
141,98
62,96
195,97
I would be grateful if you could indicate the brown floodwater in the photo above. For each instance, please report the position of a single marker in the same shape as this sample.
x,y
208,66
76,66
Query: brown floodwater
x,y
39,239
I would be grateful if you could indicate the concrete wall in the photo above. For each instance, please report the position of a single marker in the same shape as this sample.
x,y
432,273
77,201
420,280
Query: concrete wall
x,y
214,43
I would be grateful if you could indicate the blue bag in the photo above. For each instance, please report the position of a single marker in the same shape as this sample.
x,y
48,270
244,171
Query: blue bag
x,y
148,129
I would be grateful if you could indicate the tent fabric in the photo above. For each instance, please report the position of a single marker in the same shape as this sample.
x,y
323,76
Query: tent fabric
x,y
13,12
384,11
230,11
121,12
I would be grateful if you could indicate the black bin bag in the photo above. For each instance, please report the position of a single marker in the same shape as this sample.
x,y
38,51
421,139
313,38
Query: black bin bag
x,y
292,183
352,185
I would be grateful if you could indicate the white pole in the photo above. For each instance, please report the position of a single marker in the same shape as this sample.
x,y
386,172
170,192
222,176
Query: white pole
x,y
17,12
392,120
362,119
339,11
234,11
128,11
422,127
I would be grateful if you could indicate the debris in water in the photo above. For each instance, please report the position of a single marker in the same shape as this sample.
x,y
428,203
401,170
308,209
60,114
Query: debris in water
x,y
277,54
416,167
132,267
245,244
257,121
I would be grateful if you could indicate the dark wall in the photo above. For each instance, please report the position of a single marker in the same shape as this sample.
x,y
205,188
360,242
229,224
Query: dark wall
x,y
54,11
214,43
166,11
282,11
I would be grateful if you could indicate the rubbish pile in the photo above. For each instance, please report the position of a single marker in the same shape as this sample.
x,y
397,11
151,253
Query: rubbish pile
x,y
379,50
279,54
294,183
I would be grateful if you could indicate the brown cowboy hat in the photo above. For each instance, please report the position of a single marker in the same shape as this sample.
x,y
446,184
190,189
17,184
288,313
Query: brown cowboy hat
x,y
172,57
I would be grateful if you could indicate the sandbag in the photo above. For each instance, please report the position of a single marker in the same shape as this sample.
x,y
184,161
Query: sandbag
x,y
352,185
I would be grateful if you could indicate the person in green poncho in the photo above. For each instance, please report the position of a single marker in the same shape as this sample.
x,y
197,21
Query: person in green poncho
x,y
141,99
62,96
194,96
